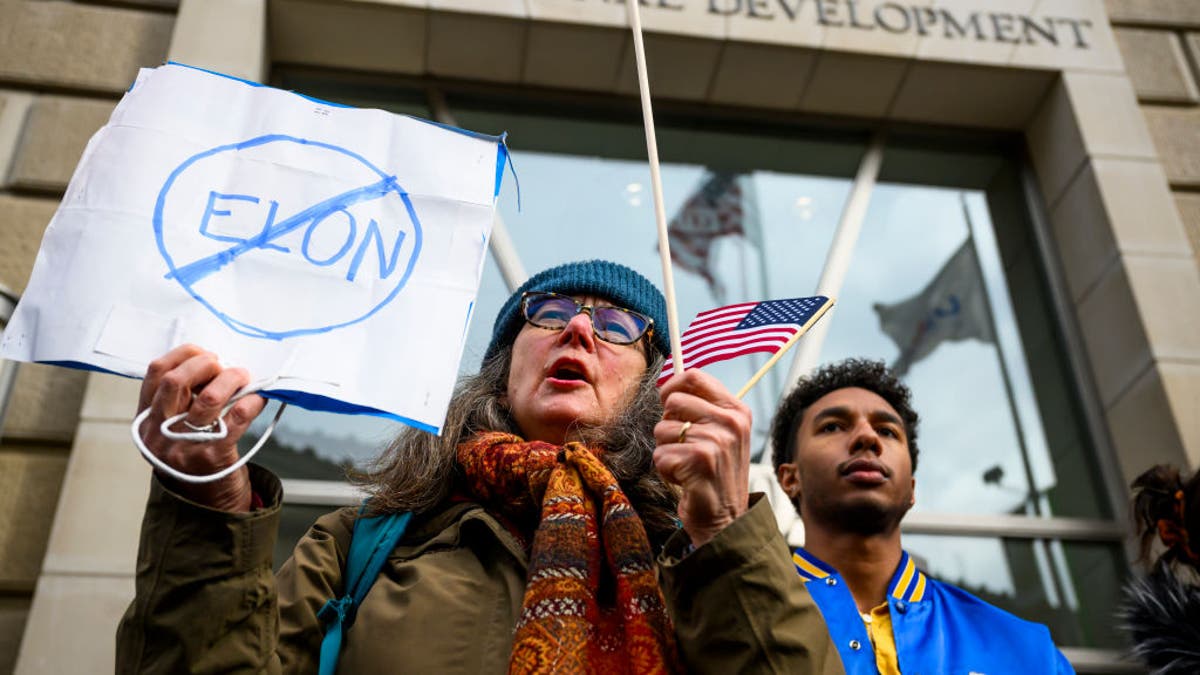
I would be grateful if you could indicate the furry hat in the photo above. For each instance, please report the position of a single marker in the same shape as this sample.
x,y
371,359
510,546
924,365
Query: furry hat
x,y
1161,614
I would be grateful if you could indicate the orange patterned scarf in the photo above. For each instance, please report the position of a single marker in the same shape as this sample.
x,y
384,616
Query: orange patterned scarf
x,y
592,603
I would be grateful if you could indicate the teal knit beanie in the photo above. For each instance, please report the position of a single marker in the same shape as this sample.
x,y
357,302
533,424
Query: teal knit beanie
x,y
618,284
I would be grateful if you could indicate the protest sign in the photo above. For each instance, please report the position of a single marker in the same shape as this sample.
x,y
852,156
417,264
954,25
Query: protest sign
x,y
333,252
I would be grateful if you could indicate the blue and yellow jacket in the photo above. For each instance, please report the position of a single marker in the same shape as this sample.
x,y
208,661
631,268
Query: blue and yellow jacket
x,y
938,628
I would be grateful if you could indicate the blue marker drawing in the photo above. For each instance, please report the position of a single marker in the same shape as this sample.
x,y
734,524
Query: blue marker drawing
x,y
211,210
329,214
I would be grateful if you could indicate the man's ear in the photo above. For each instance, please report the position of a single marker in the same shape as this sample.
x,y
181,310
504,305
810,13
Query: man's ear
x,y
788,474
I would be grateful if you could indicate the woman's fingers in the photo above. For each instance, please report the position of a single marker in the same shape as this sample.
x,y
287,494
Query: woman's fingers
x,y
243,413
700,384
704,447
189,379
160,367
207,405
175,387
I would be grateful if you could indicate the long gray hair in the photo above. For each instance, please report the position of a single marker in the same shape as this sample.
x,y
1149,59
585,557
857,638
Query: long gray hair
x,y
418,471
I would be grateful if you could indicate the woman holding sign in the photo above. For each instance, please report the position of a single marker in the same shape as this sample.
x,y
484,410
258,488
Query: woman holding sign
x,y
542,539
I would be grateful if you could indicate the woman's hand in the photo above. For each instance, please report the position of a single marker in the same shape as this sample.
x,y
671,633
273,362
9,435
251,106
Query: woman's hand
x,y
190,379
710,458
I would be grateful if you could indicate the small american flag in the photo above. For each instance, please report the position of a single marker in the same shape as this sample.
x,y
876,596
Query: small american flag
x,y
727,332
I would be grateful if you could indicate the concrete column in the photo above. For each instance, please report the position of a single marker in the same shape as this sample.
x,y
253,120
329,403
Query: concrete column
x,y
87,576
228,36
1128,264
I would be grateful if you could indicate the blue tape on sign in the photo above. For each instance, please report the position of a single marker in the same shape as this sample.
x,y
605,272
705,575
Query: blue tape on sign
x,y
79,365
465,132
301,399
317,403
252,83
504,157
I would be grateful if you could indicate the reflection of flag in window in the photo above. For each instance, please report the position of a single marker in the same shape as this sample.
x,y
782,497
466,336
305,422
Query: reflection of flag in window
x,y
951,307
717,209
745,328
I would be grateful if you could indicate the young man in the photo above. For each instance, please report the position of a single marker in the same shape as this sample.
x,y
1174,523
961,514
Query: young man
x,y
845,449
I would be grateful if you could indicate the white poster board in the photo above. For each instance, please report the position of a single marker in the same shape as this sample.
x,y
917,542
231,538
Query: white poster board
x,y
333,252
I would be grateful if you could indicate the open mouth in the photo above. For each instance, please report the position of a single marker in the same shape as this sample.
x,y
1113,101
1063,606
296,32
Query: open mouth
x,y
568,371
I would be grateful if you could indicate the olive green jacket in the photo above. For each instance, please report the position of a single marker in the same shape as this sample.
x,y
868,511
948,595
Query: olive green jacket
x,y
446,601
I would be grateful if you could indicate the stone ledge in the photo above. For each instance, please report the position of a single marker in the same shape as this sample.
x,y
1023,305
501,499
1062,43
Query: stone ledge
x,y
14,106
25,220
1177,13
13,613
1176,134
1189,211
82,47
56,132
30,480
164,5
45,403
1156,64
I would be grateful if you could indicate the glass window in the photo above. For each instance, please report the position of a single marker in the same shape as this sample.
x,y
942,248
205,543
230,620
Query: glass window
x,y
1071,587
754,209
930,255
992,440
317,445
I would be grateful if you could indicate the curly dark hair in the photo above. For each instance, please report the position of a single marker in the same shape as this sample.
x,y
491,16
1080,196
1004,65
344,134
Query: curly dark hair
x,y
863,373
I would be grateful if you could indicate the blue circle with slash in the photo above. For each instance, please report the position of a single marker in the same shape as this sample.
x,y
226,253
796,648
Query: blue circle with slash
x,y
187,275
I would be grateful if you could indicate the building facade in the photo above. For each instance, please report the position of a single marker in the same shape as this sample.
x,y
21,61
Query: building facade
x,y
1055,142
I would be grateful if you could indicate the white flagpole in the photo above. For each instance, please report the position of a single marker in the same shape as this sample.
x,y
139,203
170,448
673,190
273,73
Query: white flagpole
x,y
664,249
837,261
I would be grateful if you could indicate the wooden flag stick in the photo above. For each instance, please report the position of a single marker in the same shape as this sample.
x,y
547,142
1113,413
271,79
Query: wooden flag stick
x,y
664,246
783,350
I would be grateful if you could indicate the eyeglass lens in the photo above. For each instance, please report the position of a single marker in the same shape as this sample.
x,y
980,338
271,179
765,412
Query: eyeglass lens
x,y
611,324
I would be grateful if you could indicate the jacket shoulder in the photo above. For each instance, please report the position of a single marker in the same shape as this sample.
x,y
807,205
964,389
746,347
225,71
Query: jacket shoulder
x,y
984,613
336,527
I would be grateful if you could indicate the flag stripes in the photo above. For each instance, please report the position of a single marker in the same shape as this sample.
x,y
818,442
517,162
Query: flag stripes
x,y
745,328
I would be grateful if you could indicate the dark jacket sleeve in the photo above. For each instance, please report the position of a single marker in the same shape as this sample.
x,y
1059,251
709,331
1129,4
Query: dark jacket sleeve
x,y
738,604
206,599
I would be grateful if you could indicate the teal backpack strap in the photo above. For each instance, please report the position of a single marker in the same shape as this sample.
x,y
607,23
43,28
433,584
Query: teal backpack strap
x,y
370,544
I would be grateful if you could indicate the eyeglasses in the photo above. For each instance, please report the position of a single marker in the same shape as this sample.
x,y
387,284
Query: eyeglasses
x,y
612,324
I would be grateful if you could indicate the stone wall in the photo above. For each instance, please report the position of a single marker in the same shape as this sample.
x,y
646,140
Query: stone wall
x,y
1160,42
63,65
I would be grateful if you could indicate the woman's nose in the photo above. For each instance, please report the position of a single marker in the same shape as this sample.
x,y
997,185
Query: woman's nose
x,y
579,328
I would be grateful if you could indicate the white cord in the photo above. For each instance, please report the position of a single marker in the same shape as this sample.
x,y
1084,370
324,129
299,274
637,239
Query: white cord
x,y
202,436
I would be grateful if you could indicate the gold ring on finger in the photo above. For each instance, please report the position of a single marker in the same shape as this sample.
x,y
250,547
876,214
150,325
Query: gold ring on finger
x,y
203,428
683,432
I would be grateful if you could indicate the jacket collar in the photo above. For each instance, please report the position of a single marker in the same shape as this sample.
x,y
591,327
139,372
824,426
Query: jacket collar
x,y
908,582
444,527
